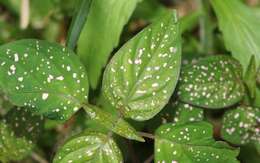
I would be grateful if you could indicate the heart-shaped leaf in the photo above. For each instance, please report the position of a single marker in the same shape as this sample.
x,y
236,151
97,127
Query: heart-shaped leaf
x,y
89,146
113,123
214,82
241,125
185,113
142,75
19,132
44,76
189,143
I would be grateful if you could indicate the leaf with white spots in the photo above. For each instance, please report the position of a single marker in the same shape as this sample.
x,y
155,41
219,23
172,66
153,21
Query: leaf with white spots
x,y
113,123
19,132
44,76
142,75
213,82
241,125
91,147
190,143
187,113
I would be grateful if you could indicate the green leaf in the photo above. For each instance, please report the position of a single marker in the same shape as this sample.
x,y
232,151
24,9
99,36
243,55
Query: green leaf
x,y
214,82
113,123
189,143
89,146
185,113
250,78
101,34
240,27
78,21
189,21
149,10
142,75
44,76
240,125
19,132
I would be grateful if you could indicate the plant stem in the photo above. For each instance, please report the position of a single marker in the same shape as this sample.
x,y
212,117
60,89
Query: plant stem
x,y
146,135
38,158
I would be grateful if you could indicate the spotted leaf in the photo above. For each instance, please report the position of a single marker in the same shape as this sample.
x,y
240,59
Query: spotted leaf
x,y
187,113
142,75
89,147
189,143
19,132
214,82
113,123
44,76
240,125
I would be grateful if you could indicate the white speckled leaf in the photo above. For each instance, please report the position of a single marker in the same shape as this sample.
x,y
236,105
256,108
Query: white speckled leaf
x,y
240,125
91,147
19,132
187,113
191,143
44,76
113,123
214,82
142,75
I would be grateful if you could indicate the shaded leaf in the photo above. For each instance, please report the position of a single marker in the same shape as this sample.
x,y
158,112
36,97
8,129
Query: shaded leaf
x,y
250,78
214,82
240,27
191,142
19,132
78,21
105,23
44,76
89,147
240,125
142,75
113,123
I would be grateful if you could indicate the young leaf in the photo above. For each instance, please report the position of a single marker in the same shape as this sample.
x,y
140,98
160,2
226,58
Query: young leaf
x,y
142,75
240,125
89,147
191,142
240,27
19,132
115,124
105,23
44,76
214,82
185,113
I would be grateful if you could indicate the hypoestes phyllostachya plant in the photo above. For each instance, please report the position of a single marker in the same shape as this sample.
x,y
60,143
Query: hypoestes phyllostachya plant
x,y
149,84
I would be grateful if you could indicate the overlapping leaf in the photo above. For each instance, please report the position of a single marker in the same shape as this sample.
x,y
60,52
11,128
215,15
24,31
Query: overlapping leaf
x,y
240,125
141,77
101,34
185,113
92,147
44,76
189,143
19,132
240,27
113,123
214,82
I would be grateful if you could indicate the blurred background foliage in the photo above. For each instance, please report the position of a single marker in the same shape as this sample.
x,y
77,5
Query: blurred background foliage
x,y
50,20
